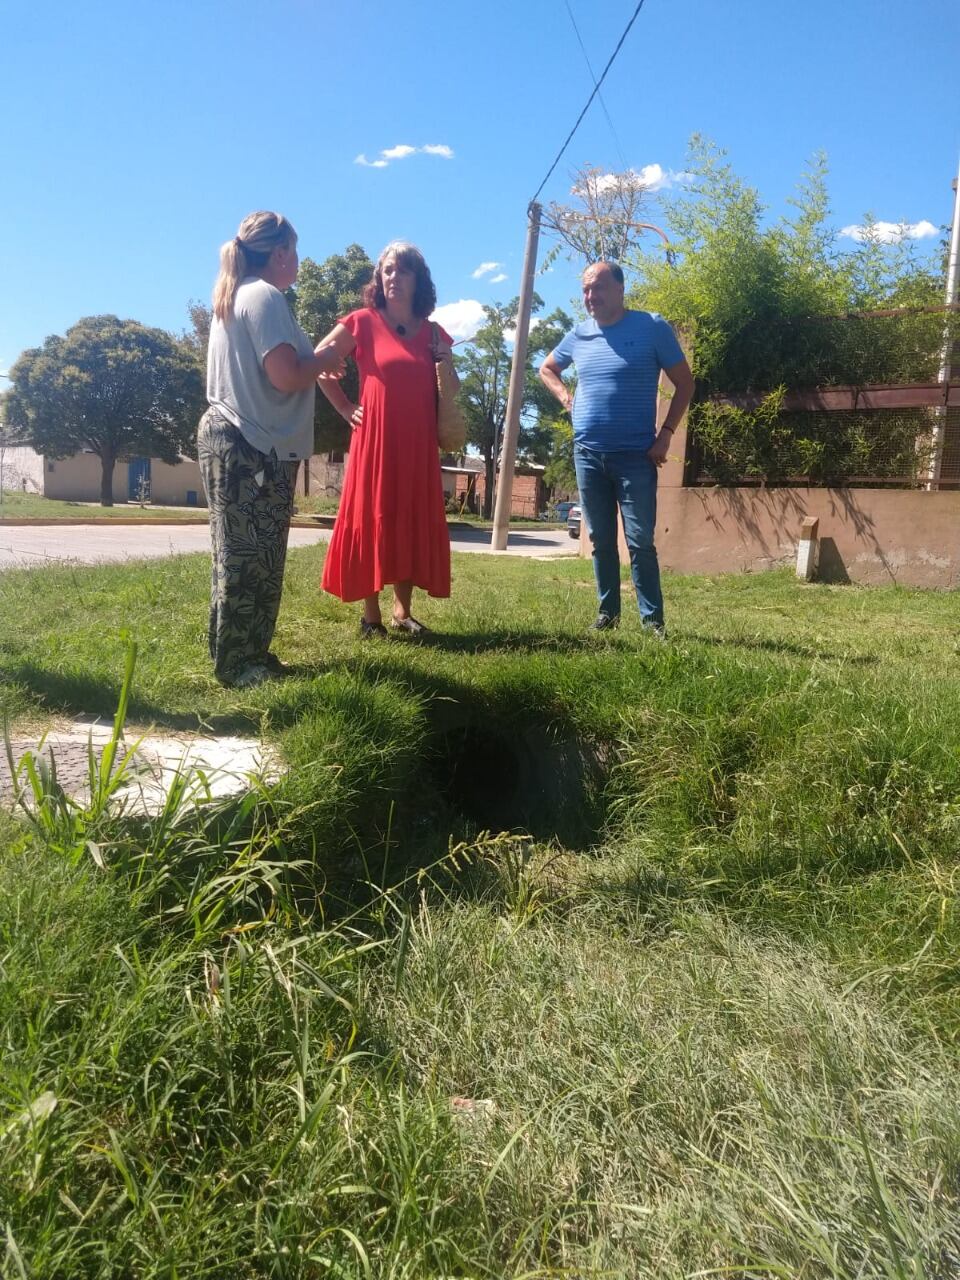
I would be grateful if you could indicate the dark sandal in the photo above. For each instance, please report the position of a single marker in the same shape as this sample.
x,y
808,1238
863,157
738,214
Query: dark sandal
x,y
368,629
410,625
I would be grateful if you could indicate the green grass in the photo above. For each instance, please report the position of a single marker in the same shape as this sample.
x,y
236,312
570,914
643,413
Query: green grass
x,y
18,505
698,988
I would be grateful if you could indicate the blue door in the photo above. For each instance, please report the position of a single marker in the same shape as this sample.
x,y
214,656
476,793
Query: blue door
x,y
138,479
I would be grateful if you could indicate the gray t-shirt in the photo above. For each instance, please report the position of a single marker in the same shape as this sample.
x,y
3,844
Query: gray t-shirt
x,y
237,383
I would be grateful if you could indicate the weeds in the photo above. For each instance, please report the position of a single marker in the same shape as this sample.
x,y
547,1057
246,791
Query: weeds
x,y
338,1027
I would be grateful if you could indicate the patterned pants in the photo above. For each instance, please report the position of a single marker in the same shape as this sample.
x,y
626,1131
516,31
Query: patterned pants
x,y
250,497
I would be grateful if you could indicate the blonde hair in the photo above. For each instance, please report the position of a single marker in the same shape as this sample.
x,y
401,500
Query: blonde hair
x,y
247,254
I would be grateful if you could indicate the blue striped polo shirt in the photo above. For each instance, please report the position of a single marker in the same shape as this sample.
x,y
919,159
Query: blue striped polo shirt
x,y
618,368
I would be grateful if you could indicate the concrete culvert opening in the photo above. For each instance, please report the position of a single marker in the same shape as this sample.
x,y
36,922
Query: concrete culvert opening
x,y
530,779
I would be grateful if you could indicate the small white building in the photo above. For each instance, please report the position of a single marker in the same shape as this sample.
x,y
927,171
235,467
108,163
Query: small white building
x,y
77,479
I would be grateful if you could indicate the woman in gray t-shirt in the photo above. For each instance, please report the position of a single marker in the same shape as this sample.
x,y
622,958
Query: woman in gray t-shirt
x,y
261,380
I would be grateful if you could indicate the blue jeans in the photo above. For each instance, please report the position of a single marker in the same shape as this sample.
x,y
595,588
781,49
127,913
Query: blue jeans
x,y
627,479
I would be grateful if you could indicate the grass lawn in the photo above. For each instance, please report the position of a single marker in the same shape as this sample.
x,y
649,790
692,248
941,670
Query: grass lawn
x,y
33,505
554,954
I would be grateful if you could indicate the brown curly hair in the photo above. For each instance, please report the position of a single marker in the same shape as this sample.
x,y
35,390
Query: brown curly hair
x,y
408,256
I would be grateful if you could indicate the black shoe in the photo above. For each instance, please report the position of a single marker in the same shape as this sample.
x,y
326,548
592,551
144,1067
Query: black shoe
x,y
370,629
276,667
606,622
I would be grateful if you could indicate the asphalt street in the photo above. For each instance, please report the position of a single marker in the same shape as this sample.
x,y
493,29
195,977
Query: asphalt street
x,y
31,545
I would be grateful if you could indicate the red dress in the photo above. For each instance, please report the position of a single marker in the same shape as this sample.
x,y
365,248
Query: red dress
x,y
391,526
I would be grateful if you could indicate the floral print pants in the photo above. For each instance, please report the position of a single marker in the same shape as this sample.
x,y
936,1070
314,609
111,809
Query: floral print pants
x,y
250,499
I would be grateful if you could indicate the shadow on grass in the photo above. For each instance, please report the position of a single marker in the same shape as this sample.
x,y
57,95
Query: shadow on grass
x,y
781,647
93,696
519,641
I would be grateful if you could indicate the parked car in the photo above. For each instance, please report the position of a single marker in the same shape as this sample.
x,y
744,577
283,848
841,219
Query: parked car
x,y
561,511
573,521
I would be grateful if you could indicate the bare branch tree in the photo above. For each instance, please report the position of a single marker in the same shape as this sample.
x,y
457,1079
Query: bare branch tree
x,y
606,222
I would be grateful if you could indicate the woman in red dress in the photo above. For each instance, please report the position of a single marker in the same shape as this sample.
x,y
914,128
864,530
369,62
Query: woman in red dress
x,y
391,526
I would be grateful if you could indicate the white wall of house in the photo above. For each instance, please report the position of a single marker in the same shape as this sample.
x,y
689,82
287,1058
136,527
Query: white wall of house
x,y
176,484
77,479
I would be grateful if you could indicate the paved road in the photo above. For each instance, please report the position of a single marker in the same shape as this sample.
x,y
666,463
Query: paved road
x,y
23,545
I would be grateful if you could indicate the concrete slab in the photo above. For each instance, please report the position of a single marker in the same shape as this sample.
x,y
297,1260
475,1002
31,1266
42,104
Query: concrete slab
x,y
216,767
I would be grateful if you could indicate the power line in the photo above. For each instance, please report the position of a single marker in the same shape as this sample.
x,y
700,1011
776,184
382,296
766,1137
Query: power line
x,y
596,90
586,58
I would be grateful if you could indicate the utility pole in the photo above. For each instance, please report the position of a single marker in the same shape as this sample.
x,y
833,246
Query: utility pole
x,y
946,355
3,445
511,429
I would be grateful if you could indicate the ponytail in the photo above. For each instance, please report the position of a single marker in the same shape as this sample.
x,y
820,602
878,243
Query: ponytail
x,y
247,254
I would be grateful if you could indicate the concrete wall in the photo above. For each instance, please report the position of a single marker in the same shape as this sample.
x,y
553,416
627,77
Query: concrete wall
x,y
866,535
323,477
879,536
171,484
22,469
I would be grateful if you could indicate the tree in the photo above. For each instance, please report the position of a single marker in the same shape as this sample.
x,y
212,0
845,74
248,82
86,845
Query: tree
x,y
778,305
606,223
197,337
324,292
484,369
110,386
744,291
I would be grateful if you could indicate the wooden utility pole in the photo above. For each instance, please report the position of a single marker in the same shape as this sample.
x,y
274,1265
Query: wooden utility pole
x,y
511,429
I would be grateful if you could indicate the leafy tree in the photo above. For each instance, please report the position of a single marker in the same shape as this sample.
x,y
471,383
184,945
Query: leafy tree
x,y
197,337
110,386
324,292
768,306
560,473
745,292
484,369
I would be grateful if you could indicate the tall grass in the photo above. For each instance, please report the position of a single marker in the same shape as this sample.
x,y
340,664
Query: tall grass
x,y
336,1028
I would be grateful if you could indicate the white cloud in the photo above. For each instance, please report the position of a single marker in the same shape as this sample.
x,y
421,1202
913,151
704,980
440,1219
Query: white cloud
x,y
401,151
510,335
501,275
460,319
652,177
484,268
891,232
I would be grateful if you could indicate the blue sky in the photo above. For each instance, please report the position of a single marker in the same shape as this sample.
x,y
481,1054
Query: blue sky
x,y
135,138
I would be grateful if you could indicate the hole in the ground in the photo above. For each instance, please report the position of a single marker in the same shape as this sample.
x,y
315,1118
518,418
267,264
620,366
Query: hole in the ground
x,y
528,778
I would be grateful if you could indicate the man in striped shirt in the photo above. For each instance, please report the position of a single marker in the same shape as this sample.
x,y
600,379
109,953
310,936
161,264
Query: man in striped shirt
x,y
618,355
